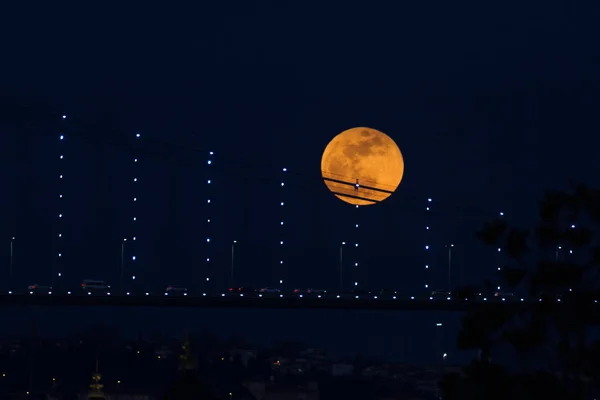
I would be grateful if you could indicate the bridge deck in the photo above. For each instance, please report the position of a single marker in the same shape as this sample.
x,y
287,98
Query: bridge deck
x,y
246,302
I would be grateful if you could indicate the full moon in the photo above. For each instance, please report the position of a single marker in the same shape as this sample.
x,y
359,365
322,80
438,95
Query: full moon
x,y
362,166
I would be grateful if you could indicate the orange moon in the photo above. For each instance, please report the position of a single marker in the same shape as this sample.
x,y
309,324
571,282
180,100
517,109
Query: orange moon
x,y
362,166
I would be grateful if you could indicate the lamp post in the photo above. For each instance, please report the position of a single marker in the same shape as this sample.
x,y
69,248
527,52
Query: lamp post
x,y
122,262
232,258
450,246
342,266
440,338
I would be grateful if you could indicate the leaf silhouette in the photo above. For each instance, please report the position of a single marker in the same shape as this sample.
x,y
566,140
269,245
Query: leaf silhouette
x,y
491,232
513,276
516,242
568,282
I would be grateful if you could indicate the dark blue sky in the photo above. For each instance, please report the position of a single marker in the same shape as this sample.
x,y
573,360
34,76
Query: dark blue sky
x,y
490,104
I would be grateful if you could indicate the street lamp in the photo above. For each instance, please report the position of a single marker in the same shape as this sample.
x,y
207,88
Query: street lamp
x,y
440,337
450,246
232,258
342,266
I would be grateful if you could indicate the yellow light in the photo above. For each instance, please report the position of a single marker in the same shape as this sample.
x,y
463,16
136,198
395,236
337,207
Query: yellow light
x,y
3,375
222,358
119,382
53,379
159,357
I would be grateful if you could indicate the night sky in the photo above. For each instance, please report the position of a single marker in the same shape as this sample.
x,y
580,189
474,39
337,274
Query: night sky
x,y
491,104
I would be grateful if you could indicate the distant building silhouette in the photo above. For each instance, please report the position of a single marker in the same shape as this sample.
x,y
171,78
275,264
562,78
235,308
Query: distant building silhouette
x,y
96,392
189,384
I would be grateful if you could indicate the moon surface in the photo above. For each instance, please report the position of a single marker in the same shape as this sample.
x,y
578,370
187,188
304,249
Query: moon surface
x,y
362,166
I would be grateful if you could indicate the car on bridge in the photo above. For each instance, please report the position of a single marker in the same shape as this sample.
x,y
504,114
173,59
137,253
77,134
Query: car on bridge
x,y
441,294
240,291
268,291
504,295
94,286
39,289
172,290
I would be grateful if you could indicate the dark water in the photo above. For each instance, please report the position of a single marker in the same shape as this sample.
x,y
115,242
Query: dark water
x,y
399,336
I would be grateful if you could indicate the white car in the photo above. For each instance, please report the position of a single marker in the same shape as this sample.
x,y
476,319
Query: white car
x,y
36,288
176,290
270,290
93,285
501,294
441,294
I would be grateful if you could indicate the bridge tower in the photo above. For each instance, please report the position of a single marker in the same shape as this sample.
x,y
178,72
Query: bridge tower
x,y
129,245
360,195
59,260
282,266
500,260
427,246
210,211
359,274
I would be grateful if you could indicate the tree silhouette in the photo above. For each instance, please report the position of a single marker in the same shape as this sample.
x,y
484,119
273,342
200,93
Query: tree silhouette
x,y
555,265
